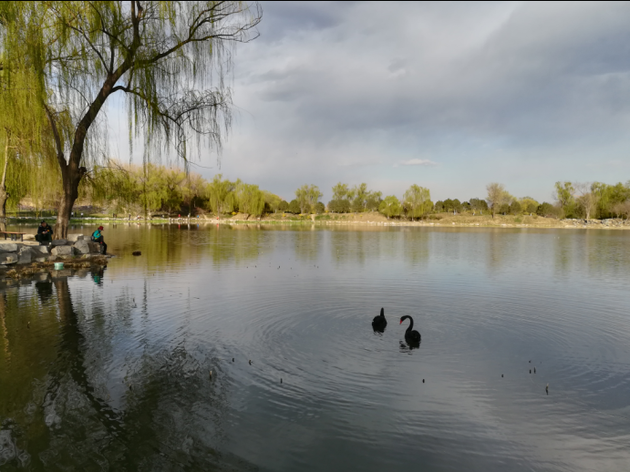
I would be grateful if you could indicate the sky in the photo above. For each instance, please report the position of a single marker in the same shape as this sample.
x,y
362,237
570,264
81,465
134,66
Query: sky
x,y
449,96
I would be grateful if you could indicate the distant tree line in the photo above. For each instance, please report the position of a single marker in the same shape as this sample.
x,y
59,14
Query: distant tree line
x,y
155,189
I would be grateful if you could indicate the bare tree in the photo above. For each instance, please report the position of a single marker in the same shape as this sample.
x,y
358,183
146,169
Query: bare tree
x,y
587,199
497,196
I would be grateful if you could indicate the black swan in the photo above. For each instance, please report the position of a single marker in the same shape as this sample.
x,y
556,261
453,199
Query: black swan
x,y
379,322
411,335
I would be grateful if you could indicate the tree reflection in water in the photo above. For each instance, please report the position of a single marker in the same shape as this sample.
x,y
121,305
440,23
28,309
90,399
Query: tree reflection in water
x,y
169,414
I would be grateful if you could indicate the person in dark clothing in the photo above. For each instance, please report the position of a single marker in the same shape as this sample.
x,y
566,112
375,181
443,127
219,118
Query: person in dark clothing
x,y
44,233
97,236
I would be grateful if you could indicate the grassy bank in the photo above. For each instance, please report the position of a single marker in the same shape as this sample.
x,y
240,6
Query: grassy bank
x,y
441,219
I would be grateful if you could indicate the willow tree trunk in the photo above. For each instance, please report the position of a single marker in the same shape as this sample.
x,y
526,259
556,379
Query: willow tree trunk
x,y
71,176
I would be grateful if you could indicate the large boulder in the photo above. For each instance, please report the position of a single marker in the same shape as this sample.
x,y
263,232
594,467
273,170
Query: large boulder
x,y
82,247
39,250
28,237
25,255
59,242
8,247
62,251
75,237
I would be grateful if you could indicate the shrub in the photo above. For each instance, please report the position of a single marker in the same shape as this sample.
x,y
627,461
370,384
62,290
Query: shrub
x,y
294,207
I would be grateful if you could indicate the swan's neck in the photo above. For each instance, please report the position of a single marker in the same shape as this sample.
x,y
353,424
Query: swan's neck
x,y
410,325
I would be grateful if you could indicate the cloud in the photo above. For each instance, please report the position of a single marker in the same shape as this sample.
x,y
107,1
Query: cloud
x,y
521,93
416,162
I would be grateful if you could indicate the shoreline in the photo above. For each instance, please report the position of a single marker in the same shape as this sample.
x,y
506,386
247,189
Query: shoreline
x,y
369,219
548,223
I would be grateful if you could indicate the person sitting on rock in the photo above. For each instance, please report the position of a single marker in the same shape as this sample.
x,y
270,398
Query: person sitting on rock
x,y
44,233
97,237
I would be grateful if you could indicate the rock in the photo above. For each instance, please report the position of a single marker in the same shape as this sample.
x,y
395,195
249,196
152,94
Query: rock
x,y
95,248
28,237
82,247
10,258
59,242
75,237
41,250
25,257
62,251
41,259
8,247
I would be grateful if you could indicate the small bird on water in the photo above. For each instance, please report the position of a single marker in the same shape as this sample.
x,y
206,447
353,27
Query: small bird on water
x,y
210,375
250,362
547,389
379,322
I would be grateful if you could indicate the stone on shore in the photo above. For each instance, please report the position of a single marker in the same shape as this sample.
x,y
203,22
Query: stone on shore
x,y
25,255
82,247
59,242
8,247
75,237
41,250
62,251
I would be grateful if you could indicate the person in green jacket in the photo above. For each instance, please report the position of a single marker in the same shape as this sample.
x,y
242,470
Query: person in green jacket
x,y
97,236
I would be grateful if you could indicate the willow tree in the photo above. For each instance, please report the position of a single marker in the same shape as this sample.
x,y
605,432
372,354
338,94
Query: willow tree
x,y
417,201
307,197
21,129
168,59
390,206
220,193
250,198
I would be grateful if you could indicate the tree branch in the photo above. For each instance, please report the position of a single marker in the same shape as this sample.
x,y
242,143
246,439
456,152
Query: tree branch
x,y
60,157
98,53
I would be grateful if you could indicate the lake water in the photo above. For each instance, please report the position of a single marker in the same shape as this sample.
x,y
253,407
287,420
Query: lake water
x,y
113,372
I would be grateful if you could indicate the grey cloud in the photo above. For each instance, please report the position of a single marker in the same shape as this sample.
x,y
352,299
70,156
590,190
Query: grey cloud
x,y
416,162
285,18
344,84
531,71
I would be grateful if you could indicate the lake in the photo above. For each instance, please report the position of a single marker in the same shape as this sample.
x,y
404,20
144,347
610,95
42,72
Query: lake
x,y
110,370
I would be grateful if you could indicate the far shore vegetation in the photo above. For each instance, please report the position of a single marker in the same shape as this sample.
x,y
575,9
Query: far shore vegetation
x,y
161,193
